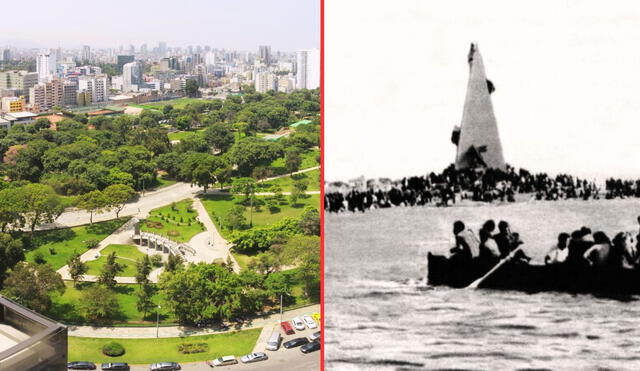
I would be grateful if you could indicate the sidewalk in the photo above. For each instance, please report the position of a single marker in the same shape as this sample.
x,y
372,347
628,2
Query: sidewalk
x,y
178,331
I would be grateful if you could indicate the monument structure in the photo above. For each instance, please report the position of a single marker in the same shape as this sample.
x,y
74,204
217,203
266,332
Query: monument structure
x,y
477,137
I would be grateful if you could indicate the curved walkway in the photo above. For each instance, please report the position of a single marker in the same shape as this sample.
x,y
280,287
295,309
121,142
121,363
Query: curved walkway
x,y
214,244
178,331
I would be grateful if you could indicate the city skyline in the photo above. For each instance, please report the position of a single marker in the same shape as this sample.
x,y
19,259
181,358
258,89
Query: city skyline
x,y
227,25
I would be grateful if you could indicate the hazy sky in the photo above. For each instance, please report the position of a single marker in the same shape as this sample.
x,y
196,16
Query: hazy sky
x,y
286,25
567,78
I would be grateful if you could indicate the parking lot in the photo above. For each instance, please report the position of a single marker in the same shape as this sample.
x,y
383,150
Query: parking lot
x,y
282,359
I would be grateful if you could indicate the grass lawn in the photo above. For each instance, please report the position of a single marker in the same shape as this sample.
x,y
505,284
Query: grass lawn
x,y
180,135
145,351
218,206
66,307
68,201
161,182
176,103
179,224
126,256
286,183
57,246
309,159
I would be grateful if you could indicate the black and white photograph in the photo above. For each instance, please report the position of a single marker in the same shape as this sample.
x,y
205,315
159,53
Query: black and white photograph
x,y
482,185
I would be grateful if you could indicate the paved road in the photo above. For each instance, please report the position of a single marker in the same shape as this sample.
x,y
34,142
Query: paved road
x,y
176,331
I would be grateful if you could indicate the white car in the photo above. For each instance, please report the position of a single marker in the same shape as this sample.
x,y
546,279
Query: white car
x,y
298,324
223,361
254,357
309,321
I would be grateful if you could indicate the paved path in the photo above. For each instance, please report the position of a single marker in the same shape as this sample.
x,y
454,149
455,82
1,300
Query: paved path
x,y
219,247
177,331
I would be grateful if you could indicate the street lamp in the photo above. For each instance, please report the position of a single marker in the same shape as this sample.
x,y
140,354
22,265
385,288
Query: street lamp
x,y
158,321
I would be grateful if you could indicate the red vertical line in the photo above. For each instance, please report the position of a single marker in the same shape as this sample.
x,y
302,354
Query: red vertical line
x,y
322,292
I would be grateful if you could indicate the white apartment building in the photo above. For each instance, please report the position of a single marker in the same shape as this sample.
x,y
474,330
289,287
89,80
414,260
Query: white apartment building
x,y
265,81
308,69
96,86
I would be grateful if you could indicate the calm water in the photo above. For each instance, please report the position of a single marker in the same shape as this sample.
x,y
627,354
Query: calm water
x,y
380,314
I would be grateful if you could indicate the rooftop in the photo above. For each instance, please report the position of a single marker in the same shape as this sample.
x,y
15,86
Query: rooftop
x,y
21,115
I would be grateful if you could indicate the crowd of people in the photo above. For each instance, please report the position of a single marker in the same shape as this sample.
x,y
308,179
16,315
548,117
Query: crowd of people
x,y
487,185
581,247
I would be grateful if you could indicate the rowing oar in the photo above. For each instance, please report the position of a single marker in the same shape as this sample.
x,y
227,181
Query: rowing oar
x,y
476,283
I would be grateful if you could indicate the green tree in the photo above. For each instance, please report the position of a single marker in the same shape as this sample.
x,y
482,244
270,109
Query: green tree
x,y
219,136
174,262
143,268
93,202
246,186
110,270
310,222
77,268
41,205
145,302
304,252
298,191
223,175
191,88
99,304
117,196
235,218
32,285
292,160
11,253
12,209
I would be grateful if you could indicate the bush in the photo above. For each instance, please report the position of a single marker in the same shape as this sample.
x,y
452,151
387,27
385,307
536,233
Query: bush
x,y
113,349
91,243
156,260
52,251
38,257
188,348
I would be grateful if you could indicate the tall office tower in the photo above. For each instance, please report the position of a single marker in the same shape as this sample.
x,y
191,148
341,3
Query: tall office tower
x,y
198,49
6,55
132,49
69,92
131,76
162,48
96,86
190,49
308,69
86,53
43,67
264,53
143,49
122,60
207,48
210,58
18,81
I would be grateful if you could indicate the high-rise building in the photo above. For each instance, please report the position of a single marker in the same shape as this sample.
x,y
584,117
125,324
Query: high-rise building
x,y
131,76
308,69
18,81
86,53
44,66
143,49
96,86
265,81
69,91
6,55
162,48
46,95
264,54
122,60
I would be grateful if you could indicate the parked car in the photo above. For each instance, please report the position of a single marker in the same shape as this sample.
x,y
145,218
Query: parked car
x,y
79,365
309,321
298,324
286,327
254,357
274,341
311,347
165,366
295,342
115,366
314,336
316,317
223,361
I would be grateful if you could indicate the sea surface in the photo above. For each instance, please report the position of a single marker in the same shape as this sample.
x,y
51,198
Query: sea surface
x,y
381,314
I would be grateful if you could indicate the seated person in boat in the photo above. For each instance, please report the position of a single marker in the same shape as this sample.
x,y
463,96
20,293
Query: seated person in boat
x,y
508,241
558,254
624,252
581,240
467,244
489,252
599,254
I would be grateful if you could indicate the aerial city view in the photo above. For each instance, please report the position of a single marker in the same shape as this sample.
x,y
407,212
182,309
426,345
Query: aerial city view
x,y
160,189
